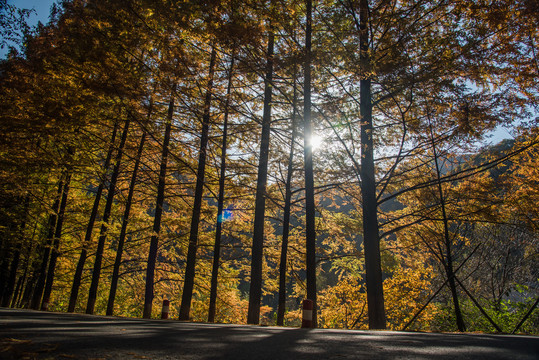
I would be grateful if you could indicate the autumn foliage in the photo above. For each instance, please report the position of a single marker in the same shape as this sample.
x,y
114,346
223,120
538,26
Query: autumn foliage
x,y
136,137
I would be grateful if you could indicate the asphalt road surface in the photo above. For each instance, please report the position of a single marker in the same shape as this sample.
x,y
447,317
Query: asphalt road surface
x,y
26,334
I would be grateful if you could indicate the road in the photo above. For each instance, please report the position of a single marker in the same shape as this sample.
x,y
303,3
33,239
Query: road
x,y
26,334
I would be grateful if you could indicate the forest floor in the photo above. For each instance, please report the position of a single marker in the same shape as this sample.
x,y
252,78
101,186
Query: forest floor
x,y
26,334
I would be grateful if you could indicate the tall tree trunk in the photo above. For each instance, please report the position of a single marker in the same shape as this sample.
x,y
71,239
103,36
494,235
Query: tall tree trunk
x,y
220,202
4,263
27,293
11,292
23,296
29,278
371,238
123,231
89,229
42,273
255,289
17,292
92,295
56,245
286,215
152,254
310,242
9,276
448,265
189,278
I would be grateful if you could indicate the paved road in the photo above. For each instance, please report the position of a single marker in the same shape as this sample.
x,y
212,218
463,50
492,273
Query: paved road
x,y
26,334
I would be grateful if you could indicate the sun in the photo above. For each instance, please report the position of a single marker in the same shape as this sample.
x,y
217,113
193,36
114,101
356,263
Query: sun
x,y
316,141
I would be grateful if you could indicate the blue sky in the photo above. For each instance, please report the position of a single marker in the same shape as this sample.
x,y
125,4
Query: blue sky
x,y
41,7
41,13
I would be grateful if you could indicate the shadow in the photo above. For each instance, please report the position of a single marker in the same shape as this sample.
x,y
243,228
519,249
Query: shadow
x,y
86,336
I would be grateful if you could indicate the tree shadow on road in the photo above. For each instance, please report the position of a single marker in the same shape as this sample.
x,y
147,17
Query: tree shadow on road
x,y
87,337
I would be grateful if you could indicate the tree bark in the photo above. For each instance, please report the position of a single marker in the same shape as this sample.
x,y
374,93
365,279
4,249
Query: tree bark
x,y
11,292
28,277
89,229
123,231
220,202
255,289
26,292
281,308
42,273
310,242
56,246
152,254
96,273
189,278
4,266
371,238
17,292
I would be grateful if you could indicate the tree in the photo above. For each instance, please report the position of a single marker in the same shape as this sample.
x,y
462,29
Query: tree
x,y
152,255
371,240
125,221
89,229
447,260
42,273
9,291
309,181
105,221
55,252
255,289
390,224
220,199
195,219
13,25
286,213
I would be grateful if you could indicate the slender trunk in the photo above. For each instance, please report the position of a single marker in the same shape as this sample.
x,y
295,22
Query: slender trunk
x,y
42,273
152,254
27,293
10,277
310,242
526,316
11,292
371,239
286,215
89,229
255,289
189,277
21,299
29,280
4,270
123,231
96,273
56,245
447,242
17,292
453,287
27,285
220,202
4,266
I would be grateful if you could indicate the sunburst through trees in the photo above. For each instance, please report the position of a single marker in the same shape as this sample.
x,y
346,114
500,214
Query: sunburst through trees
x,y
237,157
